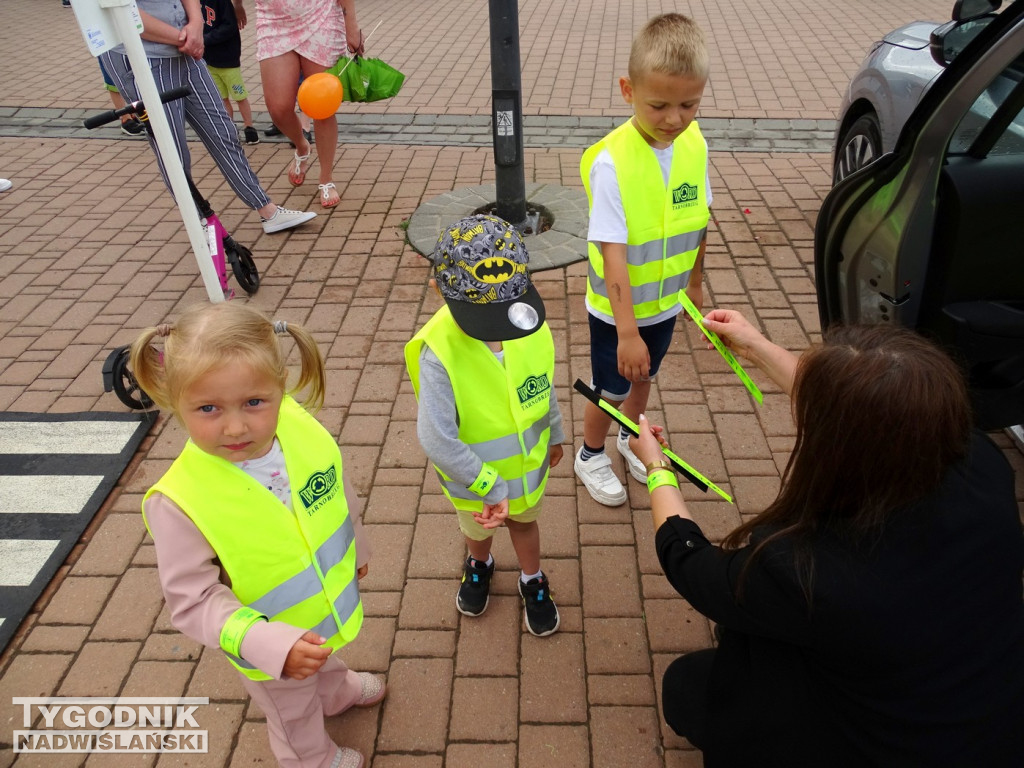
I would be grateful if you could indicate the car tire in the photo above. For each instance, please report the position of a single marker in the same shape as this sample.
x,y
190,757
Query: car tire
x,y
860,146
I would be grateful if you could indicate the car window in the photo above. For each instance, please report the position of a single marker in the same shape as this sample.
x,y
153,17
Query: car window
x,y
1006,86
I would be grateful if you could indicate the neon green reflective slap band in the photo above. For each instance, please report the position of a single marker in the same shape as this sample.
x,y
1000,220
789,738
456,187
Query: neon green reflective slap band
x,y
679,462
689,472
235,628
723,350
484,481
660,477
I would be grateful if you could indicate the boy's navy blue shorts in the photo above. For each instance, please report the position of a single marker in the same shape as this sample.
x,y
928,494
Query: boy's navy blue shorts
x,y
604,354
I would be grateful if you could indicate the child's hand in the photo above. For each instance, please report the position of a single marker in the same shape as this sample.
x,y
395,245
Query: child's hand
x,y
362,570
306,657
695,293
555,456
634,359
240,15
492,515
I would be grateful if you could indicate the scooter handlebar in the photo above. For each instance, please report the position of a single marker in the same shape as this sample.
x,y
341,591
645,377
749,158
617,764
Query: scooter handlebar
x,y
134,108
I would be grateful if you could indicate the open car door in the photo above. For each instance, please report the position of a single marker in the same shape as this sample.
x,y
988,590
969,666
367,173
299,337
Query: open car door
x,y
931,236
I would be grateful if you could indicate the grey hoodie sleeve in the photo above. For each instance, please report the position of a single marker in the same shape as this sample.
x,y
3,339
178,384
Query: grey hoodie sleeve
x,y
557,436
437,427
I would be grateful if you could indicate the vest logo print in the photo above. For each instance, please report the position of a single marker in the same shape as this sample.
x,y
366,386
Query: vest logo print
x,y
320,488
533,387
684,195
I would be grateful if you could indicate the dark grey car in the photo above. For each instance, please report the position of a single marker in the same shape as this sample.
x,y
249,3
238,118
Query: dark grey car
x,y
929,233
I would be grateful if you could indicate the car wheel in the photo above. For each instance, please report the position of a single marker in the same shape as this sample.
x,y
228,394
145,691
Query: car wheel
x,y
861,145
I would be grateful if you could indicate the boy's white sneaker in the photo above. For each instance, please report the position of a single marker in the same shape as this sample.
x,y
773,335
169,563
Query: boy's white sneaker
x,y
599,479
285,218
636,467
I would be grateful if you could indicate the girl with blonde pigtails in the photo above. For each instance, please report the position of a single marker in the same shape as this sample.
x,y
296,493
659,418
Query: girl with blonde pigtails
x,y
258,540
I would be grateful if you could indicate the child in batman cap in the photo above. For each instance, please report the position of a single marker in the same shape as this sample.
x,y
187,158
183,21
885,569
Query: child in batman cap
x,y
483,370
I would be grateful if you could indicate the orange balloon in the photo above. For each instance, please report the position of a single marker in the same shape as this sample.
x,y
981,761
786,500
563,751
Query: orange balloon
x,y
320,95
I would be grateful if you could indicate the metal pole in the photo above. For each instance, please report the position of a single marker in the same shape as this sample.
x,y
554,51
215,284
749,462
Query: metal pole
x,y
120,10
507,112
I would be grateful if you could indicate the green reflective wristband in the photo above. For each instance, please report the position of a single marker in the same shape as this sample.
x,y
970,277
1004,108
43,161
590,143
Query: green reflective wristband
x,y
484,481
235,628
660,477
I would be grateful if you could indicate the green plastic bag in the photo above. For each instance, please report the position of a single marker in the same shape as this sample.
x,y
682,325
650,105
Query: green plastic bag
x,y
367,79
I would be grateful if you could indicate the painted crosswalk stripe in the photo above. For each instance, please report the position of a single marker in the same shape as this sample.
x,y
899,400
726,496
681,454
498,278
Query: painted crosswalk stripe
x,y
46,494
65,437
56,470
21,559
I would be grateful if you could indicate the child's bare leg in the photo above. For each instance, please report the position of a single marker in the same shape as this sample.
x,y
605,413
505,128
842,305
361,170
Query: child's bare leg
x,y
479,550
245,111
595,424
526,542
636,402
229,109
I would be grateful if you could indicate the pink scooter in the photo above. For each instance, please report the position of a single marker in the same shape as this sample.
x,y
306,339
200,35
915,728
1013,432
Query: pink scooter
x,y
224,250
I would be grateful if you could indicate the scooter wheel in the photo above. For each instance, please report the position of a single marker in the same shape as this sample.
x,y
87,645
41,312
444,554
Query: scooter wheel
x,y
123,382
242,265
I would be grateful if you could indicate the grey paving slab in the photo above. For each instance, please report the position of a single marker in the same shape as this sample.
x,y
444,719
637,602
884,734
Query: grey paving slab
x,y
777,60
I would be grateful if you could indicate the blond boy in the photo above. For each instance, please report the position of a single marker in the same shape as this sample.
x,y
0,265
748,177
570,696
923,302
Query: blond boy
x,y
647,182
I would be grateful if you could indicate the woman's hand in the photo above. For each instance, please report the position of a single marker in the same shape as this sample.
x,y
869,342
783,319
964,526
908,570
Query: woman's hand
x,y
733,329
745,340
647,447
190,40
306,657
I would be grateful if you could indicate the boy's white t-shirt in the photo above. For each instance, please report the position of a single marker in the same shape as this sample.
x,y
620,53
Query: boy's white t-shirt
x,y
270,472
608,219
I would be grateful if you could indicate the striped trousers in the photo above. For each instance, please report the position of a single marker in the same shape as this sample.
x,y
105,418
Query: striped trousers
x,y
204,111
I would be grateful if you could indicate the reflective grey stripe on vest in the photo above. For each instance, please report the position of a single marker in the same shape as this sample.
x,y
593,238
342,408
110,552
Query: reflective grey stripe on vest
x,y
648,253
345,605
304,585
644,292
651,251
504,447
515,485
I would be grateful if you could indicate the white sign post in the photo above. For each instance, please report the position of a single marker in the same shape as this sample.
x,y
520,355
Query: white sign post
x,y
104,24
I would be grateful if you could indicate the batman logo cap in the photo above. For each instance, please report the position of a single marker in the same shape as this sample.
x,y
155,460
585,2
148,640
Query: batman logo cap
x,y
481,267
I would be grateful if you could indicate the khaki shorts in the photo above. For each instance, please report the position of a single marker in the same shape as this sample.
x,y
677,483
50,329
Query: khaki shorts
x,y
472,530
229,82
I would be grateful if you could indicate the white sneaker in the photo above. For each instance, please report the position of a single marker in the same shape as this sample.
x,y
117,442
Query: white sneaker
x,y
285,218
599,479
636,467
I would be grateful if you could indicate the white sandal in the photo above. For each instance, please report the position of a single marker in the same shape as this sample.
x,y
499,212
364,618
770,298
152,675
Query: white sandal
x,y
301,174
325,194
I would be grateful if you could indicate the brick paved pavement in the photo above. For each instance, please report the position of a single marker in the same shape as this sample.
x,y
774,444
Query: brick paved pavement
x,y
91,251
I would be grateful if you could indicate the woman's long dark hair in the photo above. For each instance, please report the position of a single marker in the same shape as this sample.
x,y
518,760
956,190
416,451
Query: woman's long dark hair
x,y
881,414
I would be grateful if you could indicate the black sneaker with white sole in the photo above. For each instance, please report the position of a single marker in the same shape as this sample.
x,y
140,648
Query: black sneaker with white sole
x,y
474,592
251,135
133,127
538,607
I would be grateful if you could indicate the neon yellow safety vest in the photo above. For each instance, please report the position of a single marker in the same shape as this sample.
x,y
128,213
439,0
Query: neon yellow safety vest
x,y
504,410
297,567
665,225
